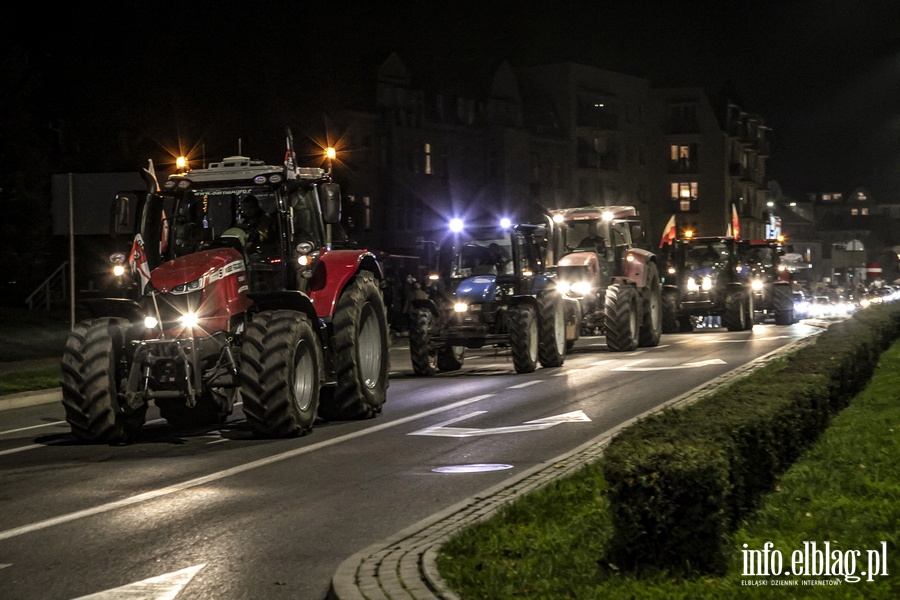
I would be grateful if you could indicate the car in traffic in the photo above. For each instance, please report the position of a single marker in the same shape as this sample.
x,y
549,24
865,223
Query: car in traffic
x,y
821,306
801,305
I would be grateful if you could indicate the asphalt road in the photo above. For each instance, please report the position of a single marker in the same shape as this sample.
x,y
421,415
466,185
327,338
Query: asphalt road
x,y
215,513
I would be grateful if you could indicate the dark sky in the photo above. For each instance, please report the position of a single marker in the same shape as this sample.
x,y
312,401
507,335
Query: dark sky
x,y
825,75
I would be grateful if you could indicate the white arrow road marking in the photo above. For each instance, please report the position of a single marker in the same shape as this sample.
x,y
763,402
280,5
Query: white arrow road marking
x,y
163,587
691,365
441,429
4,565
524,385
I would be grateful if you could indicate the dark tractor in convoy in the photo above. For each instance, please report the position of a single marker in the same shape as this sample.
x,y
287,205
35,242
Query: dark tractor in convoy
x,y
769,280
226,304
491,288
705,277
602,263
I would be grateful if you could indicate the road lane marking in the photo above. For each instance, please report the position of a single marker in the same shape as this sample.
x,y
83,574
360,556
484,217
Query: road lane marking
x,y
690,365
33,427
442,429
524,385
162,587
191,483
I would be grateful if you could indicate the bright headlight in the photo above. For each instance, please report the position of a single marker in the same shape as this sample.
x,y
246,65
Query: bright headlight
x,y
150,322
461,307
188,319
706,284
756,285
563,287
119,270
692,285
582,288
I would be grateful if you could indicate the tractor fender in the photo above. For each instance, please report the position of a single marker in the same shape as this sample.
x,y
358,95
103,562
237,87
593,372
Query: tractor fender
x,y
520,299
333,272
635,265
284,300
426,303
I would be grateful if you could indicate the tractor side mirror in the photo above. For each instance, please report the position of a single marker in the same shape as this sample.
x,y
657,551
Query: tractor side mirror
x,y
331,203
124,214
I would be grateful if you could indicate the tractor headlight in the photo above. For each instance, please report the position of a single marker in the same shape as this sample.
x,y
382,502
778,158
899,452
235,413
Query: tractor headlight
x,y
188,287
692,285
756,285
582,288
118,270
150,322
189,319
460,307
563,287
706,284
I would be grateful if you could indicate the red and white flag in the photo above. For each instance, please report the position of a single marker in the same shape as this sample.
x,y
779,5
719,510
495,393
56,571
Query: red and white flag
x,y
670,232
138,261
735,223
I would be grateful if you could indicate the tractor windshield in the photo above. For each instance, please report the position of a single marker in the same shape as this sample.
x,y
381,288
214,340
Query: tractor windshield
x,y
584,235
706,257
202,216
483,253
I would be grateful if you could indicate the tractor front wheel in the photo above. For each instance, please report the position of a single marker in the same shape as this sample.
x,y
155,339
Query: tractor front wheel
x,y
621,318
281,366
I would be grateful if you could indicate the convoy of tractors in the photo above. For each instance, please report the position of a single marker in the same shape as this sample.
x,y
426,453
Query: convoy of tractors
x,y
238,290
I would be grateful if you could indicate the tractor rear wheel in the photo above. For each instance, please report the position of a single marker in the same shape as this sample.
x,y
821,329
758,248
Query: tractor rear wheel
x,y
361,353
735,317
651,315
783,303
669,311
552,330
523,338
424,358
621,318
94,370
281,366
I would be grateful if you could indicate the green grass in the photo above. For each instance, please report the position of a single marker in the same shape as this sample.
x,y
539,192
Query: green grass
x,y
845,490
28,335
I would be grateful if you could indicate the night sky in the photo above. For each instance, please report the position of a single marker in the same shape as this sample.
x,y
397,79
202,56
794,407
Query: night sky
x,y
824,75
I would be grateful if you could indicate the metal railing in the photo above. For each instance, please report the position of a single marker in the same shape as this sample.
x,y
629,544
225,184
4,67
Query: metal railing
x,y
51,292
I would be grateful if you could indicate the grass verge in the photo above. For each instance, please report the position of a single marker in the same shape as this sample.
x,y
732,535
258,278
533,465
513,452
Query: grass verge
x,y
844,491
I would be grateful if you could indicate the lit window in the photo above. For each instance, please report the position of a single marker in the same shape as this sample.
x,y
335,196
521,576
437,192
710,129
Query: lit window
x,y
428,158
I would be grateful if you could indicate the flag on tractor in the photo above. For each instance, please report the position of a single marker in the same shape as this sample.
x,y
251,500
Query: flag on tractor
x,y
670,232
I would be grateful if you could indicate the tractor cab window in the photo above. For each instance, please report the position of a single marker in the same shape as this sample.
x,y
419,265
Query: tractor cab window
x,y
305,218
489,256
584,235
709,256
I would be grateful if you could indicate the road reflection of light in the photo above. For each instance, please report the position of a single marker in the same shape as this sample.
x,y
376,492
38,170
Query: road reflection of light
x,y
473,468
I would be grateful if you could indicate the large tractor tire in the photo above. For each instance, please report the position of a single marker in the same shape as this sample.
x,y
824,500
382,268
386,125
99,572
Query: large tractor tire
x,y
783,304
651,313
362,359
670,311
424,358
735,316
281,374
621,318
94,370
523,338
450,358
751,310
551,330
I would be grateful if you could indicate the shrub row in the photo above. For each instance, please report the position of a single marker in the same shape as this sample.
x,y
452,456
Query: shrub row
x,y
680,480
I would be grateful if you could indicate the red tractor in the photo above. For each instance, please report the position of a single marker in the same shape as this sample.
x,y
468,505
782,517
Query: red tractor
x,y
616,282
271,311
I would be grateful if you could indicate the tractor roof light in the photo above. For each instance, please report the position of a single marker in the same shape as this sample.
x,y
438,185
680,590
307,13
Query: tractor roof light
x,y
456,225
